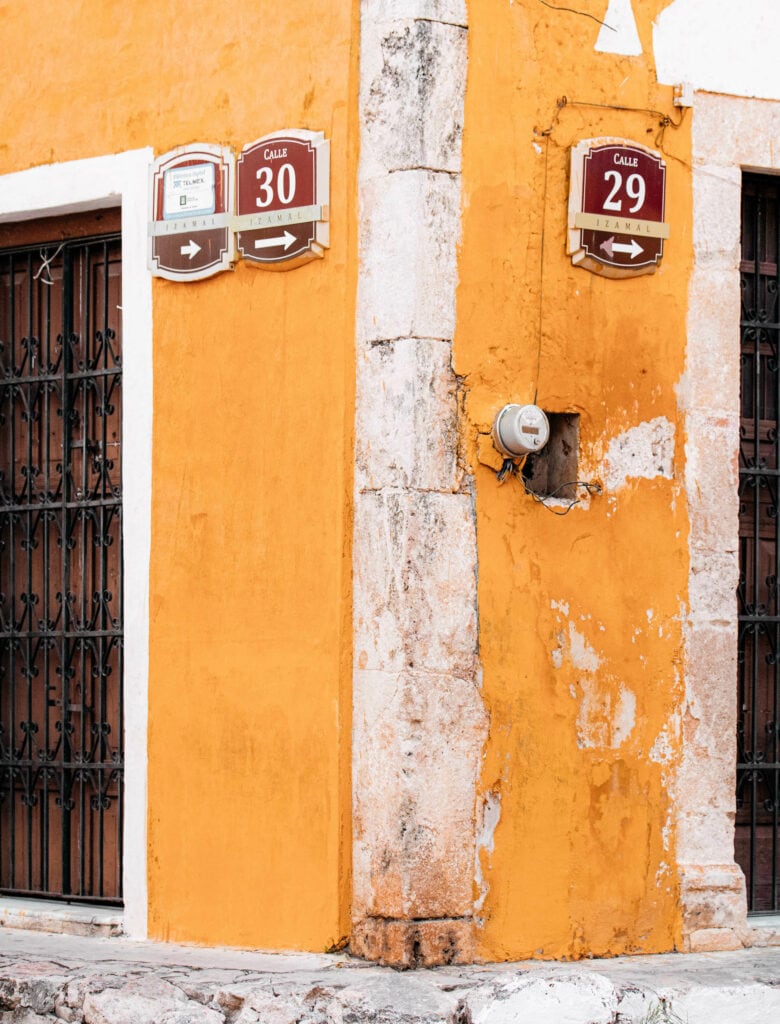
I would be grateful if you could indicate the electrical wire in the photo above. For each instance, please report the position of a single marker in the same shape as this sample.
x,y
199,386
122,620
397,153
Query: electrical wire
x,y
513,467
585,14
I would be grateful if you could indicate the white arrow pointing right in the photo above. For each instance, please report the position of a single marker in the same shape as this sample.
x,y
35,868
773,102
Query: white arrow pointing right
x,y
610,246
191,249
286,240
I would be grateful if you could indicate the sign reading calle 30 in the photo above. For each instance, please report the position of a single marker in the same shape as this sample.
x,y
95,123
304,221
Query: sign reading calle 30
x,y
190,233
616,207
282,199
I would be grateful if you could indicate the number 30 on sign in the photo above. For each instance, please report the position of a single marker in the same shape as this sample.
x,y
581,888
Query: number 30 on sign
x,y
282,199
617,198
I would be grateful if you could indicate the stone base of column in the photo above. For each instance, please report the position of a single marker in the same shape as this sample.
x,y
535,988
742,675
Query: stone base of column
x,y
714,907
410,944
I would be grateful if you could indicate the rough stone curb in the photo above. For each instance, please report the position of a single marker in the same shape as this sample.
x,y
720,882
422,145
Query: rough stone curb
x,y
49,978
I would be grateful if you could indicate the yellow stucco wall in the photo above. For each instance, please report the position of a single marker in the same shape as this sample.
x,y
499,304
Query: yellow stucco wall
x,y
580,616
253,406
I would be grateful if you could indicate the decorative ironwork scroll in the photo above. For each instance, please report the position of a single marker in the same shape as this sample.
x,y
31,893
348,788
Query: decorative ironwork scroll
x,y
61,728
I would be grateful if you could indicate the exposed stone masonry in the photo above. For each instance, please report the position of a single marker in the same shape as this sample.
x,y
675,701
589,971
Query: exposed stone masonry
x,y
419,722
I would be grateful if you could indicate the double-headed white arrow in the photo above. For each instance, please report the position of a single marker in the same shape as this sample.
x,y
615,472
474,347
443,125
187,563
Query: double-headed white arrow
x,y
611,246
191,249
286,240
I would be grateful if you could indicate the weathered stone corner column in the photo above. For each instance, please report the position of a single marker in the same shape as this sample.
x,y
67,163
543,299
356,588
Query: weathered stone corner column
x,y
712,886
419,722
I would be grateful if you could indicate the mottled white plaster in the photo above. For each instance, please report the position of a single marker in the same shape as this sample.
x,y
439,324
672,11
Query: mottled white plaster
x,y
419,720
645,451
410,227
604,721
416,65
490,815
406,432
619,33
445,11
720,46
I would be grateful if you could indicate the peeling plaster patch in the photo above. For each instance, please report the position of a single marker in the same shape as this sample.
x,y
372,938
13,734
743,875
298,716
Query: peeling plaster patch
x,y
604,721
619,33
486,830
582,655
575,647
662,751
645,451
625,716
666,833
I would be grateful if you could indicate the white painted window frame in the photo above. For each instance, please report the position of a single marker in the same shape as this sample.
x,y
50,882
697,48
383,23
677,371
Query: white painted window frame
x,y
72,187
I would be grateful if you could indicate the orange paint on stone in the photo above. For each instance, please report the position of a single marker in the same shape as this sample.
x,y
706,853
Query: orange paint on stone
x,y
580,616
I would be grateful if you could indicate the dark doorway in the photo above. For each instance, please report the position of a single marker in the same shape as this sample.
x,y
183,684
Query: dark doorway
x,y
758,709
61,727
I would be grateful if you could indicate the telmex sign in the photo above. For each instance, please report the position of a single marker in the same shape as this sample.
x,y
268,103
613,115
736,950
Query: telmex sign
x,y
282,215
617,197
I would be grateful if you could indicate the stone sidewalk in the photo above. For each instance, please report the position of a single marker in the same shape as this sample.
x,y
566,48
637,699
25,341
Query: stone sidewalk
x,y
45,978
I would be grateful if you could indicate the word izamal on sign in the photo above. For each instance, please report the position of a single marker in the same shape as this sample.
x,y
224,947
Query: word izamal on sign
x,y
282,199
616,208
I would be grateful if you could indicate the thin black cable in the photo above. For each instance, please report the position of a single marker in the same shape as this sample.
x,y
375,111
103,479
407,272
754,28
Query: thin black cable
x,y
584,14
513,467
590,486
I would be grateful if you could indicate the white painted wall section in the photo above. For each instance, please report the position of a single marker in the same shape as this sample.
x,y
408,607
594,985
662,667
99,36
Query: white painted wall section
x,y
619,33
726,46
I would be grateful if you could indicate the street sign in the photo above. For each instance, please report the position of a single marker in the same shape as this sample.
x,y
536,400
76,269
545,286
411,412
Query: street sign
x,y
282,199
190,233
617,198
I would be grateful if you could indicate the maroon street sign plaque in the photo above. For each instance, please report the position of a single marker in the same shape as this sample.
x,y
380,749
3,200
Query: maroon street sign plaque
x,y
190,233
616,207
282,199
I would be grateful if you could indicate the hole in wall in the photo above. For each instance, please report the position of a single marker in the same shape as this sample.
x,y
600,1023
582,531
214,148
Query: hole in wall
x,y
552,472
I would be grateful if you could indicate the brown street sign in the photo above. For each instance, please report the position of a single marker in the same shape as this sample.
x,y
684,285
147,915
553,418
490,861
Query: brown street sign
x,y
616,207
190,234
282,199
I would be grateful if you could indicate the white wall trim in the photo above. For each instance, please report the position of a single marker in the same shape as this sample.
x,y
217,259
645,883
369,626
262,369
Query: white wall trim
x,y
81,185
730,135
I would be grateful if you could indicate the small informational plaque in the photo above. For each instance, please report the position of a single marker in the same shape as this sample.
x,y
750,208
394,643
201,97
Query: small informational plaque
x,y
191,199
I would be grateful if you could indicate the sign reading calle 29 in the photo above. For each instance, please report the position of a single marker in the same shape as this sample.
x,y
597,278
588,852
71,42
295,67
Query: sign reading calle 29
x,y
617,198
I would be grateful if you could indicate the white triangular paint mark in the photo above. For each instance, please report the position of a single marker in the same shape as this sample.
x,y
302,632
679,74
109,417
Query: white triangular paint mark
x,y
619,33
